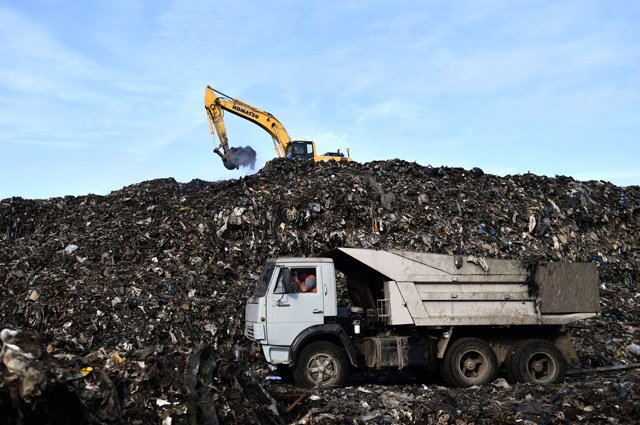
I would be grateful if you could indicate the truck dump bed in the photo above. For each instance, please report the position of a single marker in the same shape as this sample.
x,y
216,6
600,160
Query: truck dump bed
x,y
442,290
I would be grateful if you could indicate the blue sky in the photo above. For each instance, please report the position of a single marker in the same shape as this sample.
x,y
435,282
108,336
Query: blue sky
x,y
97,95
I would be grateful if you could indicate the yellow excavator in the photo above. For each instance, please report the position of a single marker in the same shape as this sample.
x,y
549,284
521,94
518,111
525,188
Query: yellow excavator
x,y
216,103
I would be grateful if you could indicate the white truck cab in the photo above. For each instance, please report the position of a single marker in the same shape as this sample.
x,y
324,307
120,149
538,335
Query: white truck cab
x,y
277,313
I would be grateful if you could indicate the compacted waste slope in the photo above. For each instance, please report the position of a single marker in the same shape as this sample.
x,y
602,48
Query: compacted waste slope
x,y
136,298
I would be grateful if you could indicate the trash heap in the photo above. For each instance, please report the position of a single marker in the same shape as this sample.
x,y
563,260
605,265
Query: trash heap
x,y
131,305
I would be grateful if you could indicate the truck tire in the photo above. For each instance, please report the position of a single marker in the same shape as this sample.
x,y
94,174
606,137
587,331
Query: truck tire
x,y
321,364
469,361
509,368
536,361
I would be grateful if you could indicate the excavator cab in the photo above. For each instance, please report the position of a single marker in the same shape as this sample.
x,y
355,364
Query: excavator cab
x,y
301,149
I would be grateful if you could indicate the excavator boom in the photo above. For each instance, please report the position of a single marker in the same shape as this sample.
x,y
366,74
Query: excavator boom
x,y
216,103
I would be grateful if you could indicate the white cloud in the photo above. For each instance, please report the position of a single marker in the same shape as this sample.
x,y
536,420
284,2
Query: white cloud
x,y
34,61
387,112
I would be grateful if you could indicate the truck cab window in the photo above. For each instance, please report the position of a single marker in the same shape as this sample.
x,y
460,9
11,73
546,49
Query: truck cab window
x,y
263,281
279,289
305,279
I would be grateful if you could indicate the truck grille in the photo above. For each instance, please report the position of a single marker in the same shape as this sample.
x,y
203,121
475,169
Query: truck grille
x,y
248,331
255,331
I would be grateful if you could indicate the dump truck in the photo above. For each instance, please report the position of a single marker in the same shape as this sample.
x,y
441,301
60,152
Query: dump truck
x,y
467,317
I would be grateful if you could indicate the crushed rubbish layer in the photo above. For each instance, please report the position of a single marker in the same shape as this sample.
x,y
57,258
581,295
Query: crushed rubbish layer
x,y
128,308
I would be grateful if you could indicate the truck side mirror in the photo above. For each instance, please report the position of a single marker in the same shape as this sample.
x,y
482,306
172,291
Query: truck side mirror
x,y
289,286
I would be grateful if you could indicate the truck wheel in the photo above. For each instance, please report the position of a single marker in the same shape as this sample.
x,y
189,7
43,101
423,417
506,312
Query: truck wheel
x,y
469,361
536,361
321,364
509,366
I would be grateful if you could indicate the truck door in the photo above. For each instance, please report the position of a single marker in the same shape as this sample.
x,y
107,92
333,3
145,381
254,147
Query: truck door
x,y
289,314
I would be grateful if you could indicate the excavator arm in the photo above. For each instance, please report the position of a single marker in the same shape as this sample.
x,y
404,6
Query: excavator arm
x,y
216,103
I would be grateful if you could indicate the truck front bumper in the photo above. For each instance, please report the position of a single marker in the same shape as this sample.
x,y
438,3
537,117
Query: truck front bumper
x,y
255,331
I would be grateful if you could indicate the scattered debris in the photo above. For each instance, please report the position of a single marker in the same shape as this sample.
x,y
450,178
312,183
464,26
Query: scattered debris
x,y
131,304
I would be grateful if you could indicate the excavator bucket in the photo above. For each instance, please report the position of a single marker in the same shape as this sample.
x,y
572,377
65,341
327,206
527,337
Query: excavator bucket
x,y
232,158
235,158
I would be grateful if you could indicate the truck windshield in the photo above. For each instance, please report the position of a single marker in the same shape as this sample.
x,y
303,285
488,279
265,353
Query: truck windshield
x,y
263,282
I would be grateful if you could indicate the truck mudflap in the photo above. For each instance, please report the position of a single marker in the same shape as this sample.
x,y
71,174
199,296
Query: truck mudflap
x,y
332,331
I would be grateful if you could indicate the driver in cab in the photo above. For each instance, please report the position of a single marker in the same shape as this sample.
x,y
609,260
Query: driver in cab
x,y
305,281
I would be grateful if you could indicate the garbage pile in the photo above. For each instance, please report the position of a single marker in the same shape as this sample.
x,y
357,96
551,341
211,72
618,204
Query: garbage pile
x,y
128,308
